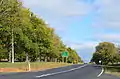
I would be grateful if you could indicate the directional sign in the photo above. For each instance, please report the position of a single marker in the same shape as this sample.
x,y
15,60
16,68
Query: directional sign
x,y
65,54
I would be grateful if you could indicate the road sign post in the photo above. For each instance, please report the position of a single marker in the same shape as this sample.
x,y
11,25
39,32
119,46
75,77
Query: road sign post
x,y
66,59
65,55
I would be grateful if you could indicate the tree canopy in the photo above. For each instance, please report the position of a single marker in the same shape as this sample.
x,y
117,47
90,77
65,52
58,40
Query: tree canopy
x,y
105,52
34,40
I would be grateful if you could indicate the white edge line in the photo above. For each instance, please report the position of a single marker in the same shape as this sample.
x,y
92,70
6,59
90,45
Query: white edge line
x,y
53,68
44,75
101,72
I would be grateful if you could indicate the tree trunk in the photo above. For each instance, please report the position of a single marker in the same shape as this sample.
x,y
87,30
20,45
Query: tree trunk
x,y
52,59
38,59
55,59
12,47
48,59
45,59
9,56
27,57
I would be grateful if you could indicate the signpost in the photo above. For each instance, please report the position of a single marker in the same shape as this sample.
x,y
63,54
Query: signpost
x,y
65,55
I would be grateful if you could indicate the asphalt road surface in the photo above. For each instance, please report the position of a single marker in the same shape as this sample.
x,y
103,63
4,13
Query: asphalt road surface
x,y
69,72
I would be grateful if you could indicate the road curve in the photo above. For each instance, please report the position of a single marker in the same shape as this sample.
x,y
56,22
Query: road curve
x,y
68,72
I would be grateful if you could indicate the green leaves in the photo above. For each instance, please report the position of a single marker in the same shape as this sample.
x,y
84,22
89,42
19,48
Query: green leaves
x,y
105,52
73,56
32,35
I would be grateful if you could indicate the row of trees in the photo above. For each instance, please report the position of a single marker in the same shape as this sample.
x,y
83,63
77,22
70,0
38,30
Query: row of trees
x,y
24,36
107,53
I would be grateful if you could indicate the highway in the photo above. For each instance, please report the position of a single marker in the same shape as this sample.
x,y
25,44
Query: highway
x,y
69,72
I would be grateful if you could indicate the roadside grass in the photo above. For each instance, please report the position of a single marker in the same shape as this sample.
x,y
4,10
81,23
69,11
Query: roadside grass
x,y
113,70
23,66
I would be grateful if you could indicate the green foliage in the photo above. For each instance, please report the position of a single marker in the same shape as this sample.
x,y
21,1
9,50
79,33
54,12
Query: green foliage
x,y
73,56
105,52
32,35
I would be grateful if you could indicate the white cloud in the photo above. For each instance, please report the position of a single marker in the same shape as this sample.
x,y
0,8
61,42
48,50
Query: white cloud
x,y
84,49
107,14
82,45
106,11
60,7
56,12
109,37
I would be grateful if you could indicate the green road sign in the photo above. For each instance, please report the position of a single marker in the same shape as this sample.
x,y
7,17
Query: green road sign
x,y
65,54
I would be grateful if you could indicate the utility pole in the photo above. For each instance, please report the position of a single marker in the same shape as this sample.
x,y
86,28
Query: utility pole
x,y
12,46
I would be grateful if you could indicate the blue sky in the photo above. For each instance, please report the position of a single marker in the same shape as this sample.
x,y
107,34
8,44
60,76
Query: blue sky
x,y
81,24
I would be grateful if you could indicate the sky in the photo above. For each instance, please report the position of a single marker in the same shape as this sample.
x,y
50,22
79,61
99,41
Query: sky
x,y
81,24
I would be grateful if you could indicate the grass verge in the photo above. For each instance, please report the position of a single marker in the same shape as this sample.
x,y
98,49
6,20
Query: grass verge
x,y
23,67
113,70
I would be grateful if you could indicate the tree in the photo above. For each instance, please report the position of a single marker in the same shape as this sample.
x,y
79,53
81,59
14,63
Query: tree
x,y
26,36
96,58
105,52
73,56
9,18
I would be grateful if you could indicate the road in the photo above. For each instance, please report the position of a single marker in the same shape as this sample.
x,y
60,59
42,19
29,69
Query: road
x,y
69,72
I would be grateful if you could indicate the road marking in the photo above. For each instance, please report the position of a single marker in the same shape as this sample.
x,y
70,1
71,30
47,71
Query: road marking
x,y
54,68
44,75
101,72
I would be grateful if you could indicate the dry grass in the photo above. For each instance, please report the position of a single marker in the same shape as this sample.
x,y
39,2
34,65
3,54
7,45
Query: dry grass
x,y
114,70
113,73
23,67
